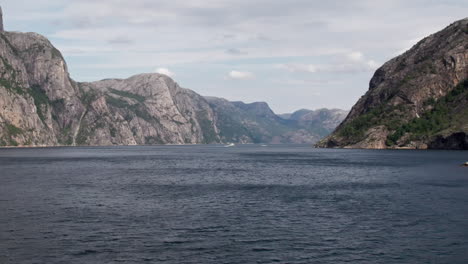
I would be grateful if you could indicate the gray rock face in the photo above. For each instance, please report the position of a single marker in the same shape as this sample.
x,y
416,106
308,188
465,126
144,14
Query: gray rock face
x,y
145,109
38,99
403,92
42,106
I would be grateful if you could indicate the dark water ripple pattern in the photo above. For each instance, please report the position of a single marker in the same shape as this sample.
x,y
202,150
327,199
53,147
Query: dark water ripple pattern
x,y
245,204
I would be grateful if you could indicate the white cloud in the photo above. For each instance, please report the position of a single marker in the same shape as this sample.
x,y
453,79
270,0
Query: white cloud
x,y
165,71
238,75
372,64
297,67
355,56
234,51
312,39
350,62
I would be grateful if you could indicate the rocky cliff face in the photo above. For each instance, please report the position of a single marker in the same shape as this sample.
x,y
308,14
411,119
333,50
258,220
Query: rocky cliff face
x,y
416,100
144,109
38,100
40,105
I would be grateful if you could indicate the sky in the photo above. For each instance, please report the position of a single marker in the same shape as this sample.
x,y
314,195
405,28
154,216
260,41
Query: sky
x,y
291,54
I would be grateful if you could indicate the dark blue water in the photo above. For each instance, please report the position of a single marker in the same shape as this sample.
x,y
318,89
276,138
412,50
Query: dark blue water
x,y
245,204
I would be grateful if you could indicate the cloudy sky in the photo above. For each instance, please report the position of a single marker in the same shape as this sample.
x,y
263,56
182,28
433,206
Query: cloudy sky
x,y
292,54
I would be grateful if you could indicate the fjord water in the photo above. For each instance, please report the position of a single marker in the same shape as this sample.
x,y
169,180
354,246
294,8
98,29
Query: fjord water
x,y
244,204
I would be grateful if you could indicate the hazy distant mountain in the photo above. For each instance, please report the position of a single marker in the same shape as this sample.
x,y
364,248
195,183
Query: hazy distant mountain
x,y
256,123
416,100
322,121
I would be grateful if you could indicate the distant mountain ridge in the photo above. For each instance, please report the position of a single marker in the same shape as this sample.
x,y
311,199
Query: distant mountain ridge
x,y
323,121
40,105
416,100
257,123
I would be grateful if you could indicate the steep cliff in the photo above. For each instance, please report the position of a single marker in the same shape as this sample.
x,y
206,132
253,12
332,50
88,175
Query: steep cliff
x,y
416,100
144,109
38,100
40,105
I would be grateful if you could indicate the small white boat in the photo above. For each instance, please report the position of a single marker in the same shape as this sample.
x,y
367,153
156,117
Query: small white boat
x,y
465,164
230,145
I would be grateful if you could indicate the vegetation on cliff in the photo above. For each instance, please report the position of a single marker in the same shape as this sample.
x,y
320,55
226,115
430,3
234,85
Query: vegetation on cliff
x,y
414,99
447,115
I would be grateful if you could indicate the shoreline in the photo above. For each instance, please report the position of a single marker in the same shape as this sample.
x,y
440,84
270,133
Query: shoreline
x,y
221,144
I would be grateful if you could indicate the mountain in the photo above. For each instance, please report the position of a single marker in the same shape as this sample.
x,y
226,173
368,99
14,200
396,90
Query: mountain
x,y
40,105
144,109
256,123
246,123
321,122
416,100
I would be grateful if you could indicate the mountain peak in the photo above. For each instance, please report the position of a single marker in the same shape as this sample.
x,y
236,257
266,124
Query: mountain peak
x,y
259,108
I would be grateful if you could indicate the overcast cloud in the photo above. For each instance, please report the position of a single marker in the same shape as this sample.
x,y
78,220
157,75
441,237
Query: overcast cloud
x,y
292,54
